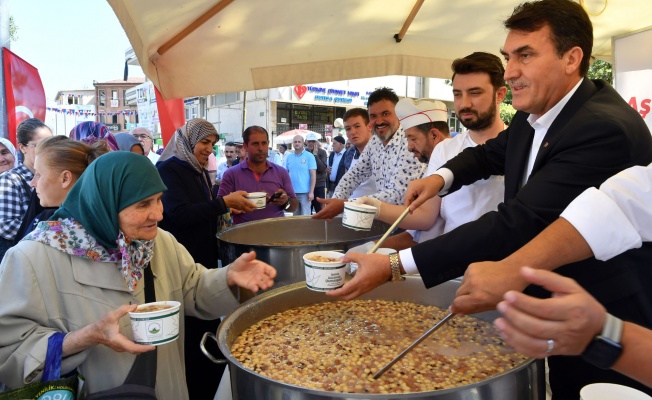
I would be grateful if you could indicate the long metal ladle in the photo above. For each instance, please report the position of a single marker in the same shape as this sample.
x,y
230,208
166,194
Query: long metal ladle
x,y
390,230
410,347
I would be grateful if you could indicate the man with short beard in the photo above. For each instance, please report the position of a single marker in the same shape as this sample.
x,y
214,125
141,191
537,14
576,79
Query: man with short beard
x,y
478,90
386,159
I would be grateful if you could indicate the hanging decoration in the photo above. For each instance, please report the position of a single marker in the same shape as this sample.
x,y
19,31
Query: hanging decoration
x,y
86,113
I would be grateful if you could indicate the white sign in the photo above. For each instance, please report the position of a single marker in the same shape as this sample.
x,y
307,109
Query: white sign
x,y
114,103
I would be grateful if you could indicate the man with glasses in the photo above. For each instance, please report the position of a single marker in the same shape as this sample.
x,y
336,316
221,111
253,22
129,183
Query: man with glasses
x,y
145,138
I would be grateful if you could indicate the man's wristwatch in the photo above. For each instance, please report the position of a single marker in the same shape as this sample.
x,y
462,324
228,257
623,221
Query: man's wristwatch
x,y
396,268
605,348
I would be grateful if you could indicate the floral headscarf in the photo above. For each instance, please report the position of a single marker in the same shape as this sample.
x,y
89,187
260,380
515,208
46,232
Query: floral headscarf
x,y
90,132
86,224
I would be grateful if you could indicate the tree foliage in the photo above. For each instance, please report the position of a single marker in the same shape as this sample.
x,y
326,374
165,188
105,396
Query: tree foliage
x,y
601,70
13,30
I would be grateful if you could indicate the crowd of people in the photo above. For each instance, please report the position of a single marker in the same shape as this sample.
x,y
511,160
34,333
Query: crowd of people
x,y
94,223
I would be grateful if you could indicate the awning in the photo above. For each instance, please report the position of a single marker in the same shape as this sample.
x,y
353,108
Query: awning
x,y
257,44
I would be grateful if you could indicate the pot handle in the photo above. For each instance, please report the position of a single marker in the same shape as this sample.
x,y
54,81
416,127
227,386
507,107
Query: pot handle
x,y
206,353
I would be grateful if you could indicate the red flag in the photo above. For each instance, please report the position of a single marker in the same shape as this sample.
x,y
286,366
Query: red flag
x,y
171,115
24,92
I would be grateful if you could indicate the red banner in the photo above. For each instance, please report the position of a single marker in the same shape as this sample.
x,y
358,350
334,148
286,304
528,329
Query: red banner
x,y
171,115
24,92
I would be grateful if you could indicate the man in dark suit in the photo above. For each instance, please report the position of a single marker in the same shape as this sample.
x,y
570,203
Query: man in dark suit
x,y
570,134
336,159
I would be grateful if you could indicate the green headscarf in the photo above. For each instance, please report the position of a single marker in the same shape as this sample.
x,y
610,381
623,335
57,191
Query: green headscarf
x,y
110,184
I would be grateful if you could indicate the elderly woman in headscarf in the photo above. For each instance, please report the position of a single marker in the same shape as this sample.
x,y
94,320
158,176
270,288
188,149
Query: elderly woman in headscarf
x,y
127,142
82,271
90,132
8,159
191,211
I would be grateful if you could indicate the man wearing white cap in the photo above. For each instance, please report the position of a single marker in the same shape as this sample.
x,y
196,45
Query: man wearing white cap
x,y
478,90
386,158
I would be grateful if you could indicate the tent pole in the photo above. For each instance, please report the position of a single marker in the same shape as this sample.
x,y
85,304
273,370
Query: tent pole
x,y
399,36
194,25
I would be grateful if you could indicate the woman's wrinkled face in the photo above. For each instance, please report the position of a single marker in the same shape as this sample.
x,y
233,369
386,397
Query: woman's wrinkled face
x,y
6,159
204,148
139,220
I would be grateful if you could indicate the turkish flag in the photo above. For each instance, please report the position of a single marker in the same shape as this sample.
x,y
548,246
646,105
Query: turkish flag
x,y
24,92
171,115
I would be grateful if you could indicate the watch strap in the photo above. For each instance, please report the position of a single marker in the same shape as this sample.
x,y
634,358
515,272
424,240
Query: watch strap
x,y
613,328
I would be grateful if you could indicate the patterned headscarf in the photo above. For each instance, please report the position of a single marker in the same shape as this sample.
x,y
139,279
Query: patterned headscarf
x,y
11,148
87,224
183,143
90,132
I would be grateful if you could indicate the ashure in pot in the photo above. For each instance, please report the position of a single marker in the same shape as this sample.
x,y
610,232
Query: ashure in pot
x,y
524,382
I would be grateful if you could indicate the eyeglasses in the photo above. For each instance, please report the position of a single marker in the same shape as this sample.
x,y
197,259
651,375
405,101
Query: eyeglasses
x,y
142,136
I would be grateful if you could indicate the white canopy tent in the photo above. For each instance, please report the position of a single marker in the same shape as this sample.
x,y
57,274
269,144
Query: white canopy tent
x,y
255,44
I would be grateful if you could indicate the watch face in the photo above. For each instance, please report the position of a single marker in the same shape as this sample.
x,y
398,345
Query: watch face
x,y
602,352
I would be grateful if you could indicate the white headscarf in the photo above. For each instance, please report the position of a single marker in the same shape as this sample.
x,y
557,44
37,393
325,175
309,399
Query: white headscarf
x,y
11,148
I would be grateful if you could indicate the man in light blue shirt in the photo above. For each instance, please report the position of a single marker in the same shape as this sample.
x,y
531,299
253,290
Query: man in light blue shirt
x,y
302,167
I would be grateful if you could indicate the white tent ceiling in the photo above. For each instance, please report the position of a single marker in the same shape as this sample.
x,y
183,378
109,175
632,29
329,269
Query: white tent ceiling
x,y
257,44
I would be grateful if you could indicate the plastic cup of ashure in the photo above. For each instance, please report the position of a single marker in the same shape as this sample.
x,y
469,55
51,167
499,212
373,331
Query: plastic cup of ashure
x,y
611,391
383,250
323,276
357,216
258,198
155,323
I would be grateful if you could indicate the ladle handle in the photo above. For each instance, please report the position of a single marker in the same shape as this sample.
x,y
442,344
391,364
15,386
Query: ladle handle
x,y
389,231
410,347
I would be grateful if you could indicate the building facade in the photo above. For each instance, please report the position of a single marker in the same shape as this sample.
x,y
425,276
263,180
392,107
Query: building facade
x,y
112,105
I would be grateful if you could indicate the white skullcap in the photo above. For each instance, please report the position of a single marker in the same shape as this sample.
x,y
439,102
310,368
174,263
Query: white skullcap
x,y
412,112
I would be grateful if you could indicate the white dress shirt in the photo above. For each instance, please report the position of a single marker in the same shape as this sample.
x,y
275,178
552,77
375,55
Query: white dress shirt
x,y
466,204
618,217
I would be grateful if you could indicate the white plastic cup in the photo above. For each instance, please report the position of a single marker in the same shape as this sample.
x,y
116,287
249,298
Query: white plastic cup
x,y
324,276
258,198
611,391
156,327
383,250
357,216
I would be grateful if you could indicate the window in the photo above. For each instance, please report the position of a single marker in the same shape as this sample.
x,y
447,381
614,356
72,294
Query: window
x,y
114,95
103,118
124,97
224,98
114,119
102,98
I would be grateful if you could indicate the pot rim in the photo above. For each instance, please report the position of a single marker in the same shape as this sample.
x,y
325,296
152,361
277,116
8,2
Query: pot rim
x,y
227,322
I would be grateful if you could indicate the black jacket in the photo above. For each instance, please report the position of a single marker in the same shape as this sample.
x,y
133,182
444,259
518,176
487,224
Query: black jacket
x,y
188,212
596,135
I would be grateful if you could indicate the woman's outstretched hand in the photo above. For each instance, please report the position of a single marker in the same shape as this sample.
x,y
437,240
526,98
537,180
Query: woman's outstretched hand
x,y
249,273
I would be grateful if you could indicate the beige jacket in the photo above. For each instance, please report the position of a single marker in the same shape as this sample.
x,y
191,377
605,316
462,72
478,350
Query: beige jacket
x,y
45,290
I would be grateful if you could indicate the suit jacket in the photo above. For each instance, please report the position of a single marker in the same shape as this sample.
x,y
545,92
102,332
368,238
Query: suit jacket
x,y
596,135
341,170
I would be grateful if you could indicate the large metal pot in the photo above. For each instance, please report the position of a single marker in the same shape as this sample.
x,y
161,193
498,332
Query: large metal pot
x,y
287,259
525,382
